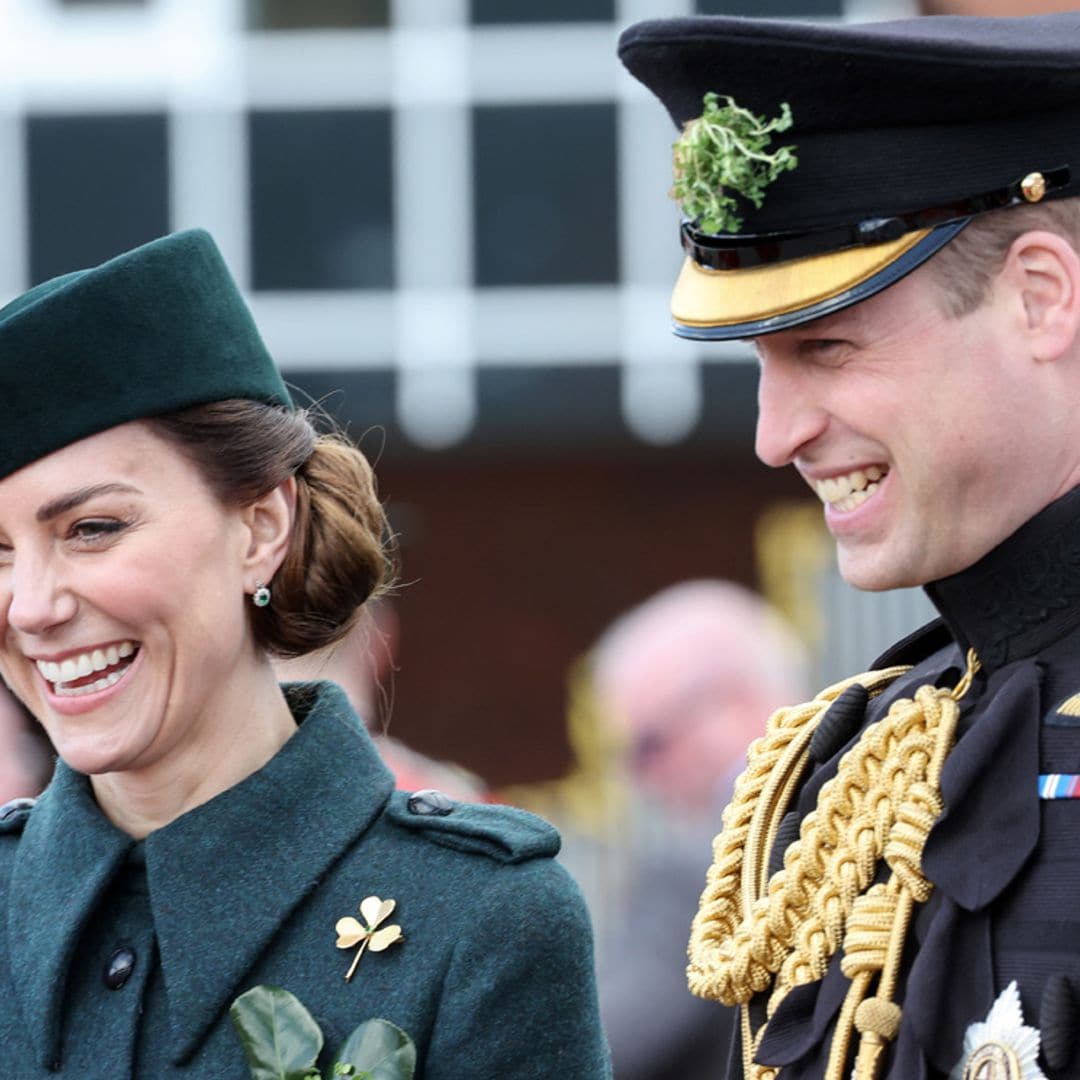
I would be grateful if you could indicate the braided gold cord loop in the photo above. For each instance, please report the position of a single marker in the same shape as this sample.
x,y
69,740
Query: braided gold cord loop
x,y
881,804
878,1019
719,968
845,837
867,938
907,840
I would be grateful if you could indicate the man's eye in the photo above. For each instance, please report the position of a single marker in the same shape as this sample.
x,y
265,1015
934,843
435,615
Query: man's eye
x,y
827,349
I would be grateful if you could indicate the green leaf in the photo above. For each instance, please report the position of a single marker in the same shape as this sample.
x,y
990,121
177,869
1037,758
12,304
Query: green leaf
x,y
724,151
280,1037
379,1050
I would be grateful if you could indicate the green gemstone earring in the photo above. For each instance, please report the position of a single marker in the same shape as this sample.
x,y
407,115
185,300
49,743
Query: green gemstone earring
x,y
261,596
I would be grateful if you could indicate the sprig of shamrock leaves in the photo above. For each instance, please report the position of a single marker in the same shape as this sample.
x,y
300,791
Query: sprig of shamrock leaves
x,y
282,1041
724,151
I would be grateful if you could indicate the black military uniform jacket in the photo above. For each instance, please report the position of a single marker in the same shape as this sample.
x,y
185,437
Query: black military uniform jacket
x,y
1005,863
120,959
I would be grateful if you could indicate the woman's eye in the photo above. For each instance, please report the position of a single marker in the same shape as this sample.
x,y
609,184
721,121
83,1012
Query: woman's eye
x,y
95,529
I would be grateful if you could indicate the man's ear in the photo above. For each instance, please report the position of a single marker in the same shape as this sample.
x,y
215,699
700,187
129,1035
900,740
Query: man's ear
x,y
269,522
1045,269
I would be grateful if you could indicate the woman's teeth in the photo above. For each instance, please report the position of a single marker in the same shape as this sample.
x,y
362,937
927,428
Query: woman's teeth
x,y
99,684
85,664
846,492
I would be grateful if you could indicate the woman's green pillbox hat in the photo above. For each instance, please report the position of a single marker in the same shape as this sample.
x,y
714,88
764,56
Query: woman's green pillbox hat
x,y
157,329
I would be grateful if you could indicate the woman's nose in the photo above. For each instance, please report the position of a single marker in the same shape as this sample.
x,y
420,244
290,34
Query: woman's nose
x,y
38,600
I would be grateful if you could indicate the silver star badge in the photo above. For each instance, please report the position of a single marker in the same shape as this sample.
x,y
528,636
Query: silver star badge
x,y
1001,1047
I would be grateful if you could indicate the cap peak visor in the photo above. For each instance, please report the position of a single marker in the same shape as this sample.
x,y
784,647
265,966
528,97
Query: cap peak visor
x,y
722,305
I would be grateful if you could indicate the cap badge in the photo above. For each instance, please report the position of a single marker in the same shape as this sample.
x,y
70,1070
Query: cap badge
x,y
1033,187
1001,1047
366,934
724,151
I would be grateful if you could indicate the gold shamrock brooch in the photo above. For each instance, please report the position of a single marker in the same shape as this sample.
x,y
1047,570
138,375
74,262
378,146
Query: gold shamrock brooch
x,y
367,934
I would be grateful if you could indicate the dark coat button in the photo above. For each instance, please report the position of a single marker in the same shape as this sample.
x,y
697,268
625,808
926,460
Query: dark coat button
x,y
15,807
430,803
1058,1022
119,968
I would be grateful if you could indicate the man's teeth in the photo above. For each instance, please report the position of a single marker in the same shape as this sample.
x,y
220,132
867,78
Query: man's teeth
x,y
78,667
847,492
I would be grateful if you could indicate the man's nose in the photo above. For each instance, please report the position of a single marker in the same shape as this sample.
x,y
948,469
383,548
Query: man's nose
x,y
788,415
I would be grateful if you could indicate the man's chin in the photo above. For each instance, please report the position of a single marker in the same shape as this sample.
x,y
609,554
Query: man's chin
x,y
872,572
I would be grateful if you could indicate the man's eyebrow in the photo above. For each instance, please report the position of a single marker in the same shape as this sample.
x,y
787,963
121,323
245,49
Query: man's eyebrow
x,y
61,505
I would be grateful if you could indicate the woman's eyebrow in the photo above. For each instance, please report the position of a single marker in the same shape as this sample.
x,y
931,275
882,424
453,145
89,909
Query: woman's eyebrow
x,y
63,503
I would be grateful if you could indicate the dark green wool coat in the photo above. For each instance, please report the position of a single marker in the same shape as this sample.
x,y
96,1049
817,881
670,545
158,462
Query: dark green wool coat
x,y
493,980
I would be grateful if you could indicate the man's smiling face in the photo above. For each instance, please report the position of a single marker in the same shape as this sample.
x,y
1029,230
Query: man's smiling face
x,y
929,438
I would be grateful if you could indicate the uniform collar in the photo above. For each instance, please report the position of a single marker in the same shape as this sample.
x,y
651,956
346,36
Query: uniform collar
x,y
222,878
1023,595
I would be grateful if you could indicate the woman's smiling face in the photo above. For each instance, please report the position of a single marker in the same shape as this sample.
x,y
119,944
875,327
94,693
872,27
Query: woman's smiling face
x,y
122,600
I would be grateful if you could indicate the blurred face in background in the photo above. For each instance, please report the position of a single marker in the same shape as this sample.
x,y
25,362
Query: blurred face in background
x,y
25,761
687,681
684,742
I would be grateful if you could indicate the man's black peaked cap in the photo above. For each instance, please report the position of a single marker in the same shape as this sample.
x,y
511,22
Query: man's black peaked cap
x,y
939,113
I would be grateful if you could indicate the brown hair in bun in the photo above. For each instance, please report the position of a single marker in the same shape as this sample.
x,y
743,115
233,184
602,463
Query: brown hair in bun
x,y
339,553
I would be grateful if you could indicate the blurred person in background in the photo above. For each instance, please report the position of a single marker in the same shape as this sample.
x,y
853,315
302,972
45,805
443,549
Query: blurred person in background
x,y
684,681
363,665
26,758
687,679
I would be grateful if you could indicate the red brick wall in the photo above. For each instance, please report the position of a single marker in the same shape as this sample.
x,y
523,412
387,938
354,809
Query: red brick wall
x,y
515,566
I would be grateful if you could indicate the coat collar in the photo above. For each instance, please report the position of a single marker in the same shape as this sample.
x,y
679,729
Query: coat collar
x,y
68,854
1023,595
222,878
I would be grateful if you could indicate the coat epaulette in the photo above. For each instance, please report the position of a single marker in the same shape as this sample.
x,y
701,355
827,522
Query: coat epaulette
x,y
13,815
502,833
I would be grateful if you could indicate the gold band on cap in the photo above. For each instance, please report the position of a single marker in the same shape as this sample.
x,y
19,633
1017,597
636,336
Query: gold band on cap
x,y
729,297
